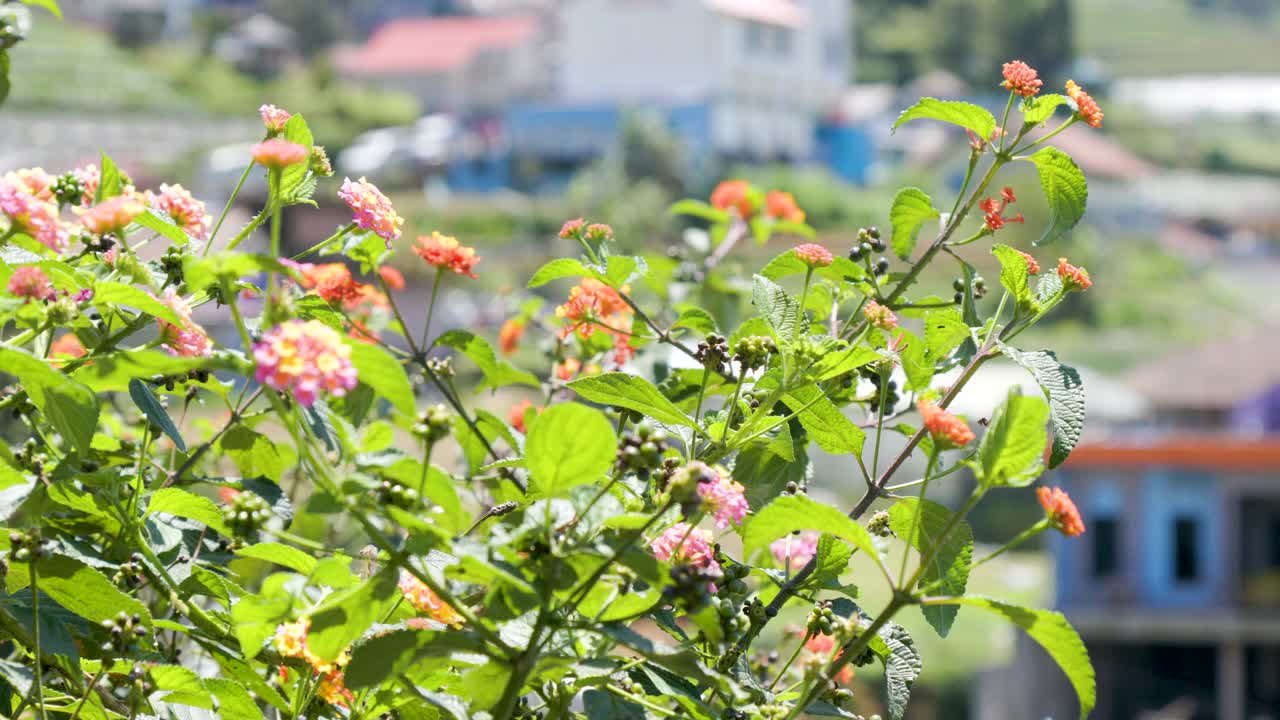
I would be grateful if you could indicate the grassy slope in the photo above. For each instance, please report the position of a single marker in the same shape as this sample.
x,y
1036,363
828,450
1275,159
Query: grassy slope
x,y
1165,37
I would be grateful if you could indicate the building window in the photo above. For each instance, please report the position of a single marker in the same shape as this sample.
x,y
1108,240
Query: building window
x,y
1186,549
755,36
782,41
1106,547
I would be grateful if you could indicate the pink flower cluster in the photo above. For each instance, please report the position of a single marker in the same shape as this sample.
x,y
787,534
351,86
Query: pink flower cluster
x,y
682,543
372,210
274,118
185,210
305,357
31,283
725,498
187,339
27,201
112,215
278,153
89,177
795,551
813,255
880,316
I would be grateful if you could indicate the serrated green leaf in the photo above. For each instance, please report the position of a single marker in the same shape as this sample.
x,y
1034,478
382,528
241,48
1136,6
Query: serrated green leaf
x,y
1065,390
153,220
561,268
633,393
568,445
789,513
1052,631
917,364
777,307
966,115
824,422
621,269
280,554
832,560
201,272
694,318
106,294
1065,190
765,470
383,374
902,665
110,180
1013,273
944,330
177,501
71,408
150,406
346,614
950,564
234,701
1012,450
1037,109
497,373
911,209
85,591
253,453
293,176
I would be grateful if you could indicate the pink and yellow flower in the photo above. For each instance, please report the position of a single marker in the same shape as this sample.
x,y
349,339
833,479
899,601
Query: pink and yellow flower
x,y
880,316
291,642
30,282
725,498
795,551
187,212
273,117
372,210
186,339
813,255
28,211
509,335
593,305
278,153
423,599
306,358
111,215
684,544
1086,107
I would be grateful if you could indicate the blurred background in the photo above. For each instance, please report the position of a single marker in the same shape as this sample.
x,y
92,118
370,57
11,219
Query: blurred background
x,y
495,120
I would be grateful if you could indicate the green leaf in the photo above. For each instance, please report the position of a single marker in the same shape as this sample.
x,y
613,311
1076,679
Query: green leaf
x,y
1038,109
234,701
383,374
106,294
966,115
633,393
1012,450
1052,631
110,181
765,470
912,208
253,453
497,373
346,614
50,5
950,564
902,665
620,269
5,84
788,263
561,268
790,513
917,365
201,272
152,220
280,554
944,330
1064,389
1065,190
155,412
695,318
779,309
568,445
70,407
1013,273
292,177
176,501
85,591
832,558
699,209
824,422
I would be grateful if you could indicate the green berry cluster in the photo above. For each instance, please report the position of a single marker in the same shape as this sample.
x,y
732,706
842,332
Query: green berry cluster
x,y
641,451
26,546
879,524
433,424
713,353
171,264
752,353
125,632
67,189
395,494
247,514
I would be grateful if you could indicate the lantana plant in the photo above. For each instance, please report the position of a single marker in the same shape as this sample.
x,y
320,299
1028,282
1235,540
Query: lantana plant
x,y
313,514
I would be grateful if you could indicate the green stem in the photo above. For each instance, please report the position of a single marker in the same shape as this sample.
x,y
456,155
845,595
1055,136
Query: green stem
x,y
850,651
35,634
247,230
431,310
343,232
1069,122
915,516
804,294
787,666
227,208
733,406
1004,123
1022,537
88,691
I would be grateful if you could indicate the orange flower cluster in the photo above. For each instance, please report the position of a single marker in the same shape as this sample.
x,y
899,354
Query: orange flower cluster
x,y
781,205
444,251
1074,278
880,316
1033,267
1021,78
821,650
994,209
423,599
515,416
1061,511
509,335
944,427
1086,107
594,305
362,302
735,194
291,642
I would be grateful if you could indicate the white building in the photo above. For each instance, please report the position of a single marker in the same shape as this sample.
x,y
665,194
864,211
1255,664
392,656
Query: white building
x,y
767,69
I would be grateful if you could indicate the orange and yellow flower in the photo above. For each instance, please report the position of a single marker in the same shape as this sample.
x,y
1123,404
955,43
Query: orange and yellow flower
x,y
445,252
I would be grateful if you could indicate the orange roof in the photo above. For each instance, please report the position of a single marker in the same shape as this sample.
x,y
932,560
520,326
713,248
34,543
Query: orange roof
x,y
1187,451
434,44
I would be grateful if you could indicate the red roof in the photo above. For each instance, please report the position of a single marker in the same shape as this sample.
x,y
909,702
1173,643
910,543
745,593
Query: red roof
x,y
1186,451
433,44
